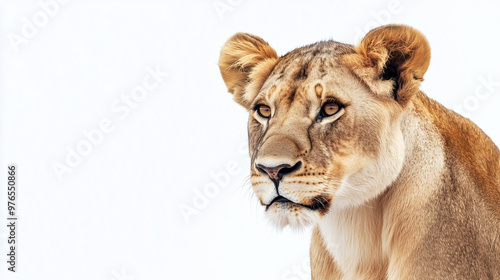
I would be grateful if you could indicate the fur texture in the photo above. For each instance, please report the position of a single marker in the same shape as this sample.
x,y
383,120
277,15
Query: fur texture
x,y
395,185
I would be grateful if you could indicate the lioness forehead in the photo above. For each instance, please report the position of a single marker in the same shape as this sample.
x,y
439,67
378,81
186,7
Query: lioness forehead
x,y
297,63
305,67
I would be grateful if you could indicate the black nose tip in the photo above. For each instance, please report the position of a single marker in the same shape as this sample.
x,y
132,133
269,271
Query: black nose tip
x,y
277,172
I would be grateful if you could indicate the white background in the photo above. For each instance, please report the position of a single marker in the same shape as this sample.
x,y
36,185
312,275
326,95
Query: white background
x,y
116,214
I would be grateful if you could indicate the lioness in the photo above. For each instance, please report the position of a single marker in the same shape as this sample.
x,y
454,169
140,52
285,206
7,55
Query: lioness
x,y
396,185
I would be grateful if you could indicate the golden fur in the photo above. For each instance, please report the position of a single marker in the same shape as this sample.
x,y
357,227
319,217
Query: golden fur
x,y
395,185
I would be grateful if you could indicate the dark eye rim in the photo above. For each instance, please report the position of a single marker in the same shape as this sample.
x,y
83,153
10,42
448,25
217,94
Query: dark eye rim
x,y
323,114
258,106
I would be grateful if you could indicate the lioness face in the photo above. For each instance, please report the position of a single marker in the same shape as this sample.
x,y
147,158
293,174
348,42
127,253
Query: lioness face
x,y
322,133
318,137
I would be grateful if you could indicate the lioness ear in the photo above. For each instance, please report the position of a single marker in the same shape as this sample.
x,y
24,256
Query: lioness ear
x,y
392,60
245,63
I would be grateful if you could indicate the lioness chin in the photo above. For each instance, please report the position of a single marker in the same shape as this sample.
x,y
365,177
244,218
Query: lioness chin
x,y
341,137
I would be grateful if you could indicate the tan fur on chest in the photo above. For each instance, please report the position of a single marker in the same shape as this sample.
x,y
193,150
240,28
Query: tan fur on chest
x,y
353,238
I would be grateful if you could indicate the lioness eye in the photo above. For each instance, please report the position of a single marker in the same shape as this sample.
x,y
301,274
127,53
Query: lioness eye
x,y
264,111
330,109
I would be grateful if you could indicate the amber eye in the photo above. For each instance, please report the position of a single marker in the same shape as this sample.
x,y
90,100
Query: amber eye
x,y
264,111
330,109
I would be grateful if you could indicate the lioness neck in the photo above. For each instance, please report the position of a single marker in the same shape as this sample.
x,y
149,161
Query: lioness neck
x,y
467,146
428,208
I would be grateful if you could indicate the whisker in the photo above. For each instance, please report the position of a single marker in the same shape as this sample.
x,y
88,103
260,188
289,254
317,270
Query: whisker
x,y
246,181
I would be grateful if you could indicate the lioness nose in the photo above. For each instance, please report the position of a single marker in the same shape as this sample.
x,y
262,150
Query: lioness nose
x,y
277,172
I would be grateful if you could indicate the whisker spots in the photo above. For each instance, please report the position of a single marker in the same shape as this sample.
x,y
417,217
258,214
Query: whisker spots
x,y
302,182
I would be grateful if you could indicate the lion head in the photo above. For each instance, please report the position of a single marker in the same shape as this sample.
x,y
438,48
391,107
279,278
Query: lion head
x,y
325,119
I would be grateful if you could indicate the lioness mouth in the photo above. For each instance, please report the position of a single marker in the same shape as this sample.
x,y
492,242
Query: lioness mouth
x,y
279,198
319,204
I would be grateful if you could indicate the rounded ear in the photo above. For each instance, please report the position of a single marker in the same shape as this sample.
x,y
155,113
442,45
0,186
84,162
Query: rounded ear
x,y
245,62
392,60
